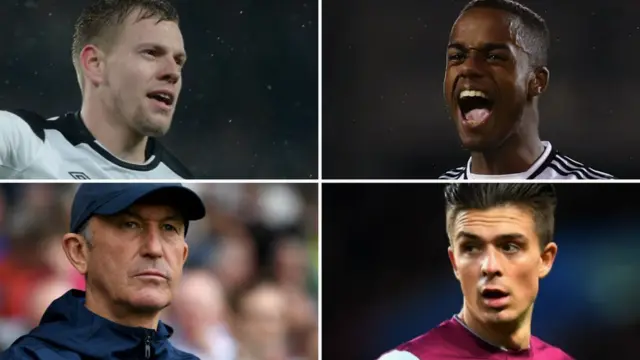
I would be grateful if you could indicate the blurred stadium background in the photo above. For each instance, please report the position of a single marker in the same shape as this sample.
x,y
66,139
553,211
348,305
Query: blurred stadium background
x,y
265,233
383,68
387,278
250,87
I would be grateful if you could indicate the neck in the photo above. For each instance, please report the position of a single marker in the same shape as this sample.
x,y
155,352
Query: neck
x,y
102,307
110,129
516,154
513,336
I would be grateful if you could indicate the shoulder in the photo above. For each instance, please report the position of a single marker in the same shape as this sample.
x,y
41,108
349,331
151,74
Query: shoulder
x,y
23,121
436,342
548,351
569,167
453,174
171,161
30,348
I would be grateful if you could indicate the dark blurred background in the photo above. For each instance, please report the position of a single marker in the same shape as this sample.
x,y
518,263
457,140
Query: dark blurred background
x,y
383,65
250,94
387,278
253,234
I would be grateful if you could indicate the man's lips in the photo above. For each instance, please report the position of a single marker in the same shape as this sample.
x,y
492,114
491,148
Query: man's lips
x,y
495,297
152,273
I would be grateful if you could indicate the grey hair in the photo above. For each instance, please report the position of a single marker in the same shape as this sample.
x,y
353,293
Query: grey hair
x,y
86,233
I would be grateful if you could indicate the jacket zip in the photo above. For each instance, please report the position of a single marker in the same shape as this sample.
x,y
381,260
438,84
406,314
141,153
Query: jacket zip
x,y
147,347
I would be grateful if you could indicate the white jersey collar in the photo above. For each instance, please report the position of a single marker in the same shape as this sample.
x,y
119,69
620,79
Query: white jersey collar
x,y
517,176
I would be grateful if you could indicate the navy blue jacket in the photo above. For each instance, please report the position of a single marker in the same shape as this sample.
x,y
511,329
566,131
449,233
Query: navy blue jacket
x,y
69,331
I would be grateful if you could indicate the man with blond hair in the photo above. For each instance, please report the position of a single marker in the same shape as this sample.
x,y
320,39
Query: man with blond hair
x,y
128,56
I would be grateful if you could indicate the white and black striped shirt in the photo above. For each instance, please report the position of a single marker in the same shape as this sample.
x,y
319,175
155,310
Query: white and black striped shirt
x,y
32,147
551,165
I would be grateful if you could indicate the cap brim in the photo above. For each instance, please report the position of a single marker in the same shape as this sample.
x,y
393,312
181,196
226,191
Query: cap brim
x,y
183,199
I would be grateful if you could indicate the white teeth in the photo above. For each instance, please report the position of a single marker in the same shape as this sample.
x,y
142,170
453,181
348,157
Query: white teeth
x,y
473,93
166,98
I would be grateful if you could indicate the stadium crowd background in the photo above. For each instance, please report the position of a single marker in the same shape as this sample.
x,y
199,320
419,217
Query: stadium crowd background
x,y
250,86
251,278
390,280
383,68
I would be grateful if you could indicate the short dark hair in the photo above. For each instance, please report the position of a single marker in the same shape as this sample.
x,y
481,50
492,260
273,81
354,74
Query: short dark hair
x,y
97,22
533,32
539,198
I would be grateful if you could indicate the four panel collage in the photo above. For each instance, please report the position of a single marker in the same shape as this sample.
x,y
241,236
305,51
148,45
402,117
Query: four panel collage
x,y
304,180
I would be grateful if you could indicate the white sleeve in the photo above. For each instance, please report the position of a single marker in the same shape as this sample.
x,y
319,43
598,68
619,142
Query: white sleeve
x,y
398,355
19,144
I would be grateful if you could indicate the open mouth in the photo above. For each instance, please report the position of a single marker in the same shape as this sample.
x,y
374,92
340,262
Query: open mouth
x,y
475,106
496,299
493,294
162,97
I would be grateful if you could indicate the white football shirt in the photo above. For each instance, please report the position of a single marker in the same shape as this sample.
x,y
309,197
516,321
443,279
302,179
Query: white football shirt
x,y
551,165
32,147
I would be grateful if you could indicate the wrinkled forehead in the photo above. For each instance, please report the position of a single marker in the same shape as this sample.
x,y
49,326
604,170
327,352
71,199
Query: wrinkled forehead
x,y
478,27
493,222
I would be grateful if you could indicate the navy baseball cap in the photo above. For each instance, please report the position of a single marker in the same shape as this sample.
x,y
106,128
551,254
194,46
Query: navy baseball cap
x,y
113,198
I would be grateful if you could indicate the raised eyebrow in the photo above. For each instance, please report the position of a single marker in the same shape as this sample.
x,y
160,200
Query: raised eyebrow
x,y
467,235
501,237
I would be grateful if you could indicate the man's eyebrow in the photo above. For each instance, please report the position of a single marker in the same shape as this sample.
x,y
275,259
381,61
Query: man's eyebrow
x,y
502,237
175,216
179,55
485,47
456,46
467,235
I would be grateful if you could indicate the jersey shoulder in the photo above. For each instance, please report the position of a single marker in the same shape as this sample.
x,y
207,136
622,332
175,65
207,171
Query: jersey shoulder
x,y
453,174
24,120
171,161
440,342
64,124
545,350
568,167
30,348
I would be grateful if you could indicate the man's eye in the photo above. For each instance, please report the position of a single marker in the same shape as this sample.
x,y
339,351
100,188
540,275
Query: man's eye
x,y
510,248
169,227
455,57
496,57
470,248
131,225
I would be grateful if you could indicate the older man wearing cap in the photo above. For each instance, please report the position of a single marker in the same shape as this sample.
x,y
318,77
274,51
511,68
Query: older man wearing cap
x,y
128,240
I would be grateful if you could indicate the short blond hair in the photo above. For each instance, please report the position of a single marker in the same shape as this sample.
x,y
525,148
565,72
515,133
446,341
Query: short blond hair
x,y
100,23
